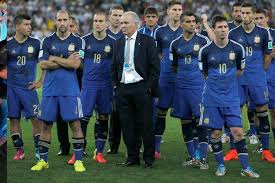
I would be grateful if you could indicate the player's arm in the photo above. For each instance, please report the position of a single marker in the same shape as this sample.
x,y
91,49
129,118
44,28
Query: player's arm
x,y
44,54
48,65
72,62
208,29
273,52
267,43
173,57
203,66
240,60
158,43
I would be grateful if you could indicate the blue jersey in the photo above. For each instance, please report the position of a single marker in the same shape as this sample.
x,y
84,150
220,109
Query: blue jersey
x,y
164,36
256,44
97,61
184,55
145,30
271,70
22,60
221,65
61,81
204,33
231,25
116,36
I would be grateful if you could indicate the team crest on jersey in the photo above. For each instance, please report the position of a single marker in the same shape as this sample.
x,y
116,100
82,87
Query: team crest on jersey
x,y
206,120
232,56
196,47
107,49
71,47
257,39
30,49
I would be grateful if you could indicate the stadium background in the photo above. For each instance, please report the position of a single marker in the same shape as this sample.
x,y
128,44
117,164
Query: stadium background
x,y
169,169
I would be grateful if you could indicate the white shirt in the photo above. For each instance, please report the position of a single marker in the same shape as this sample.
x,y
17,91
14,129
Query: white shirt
x,y
129,74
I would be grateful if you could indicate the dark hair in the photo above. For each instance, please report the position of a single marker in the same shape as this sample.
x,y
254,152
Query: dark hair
x,y
263,11
174,2
188,14
151,10
116,7
218,18
249,5
235,5
19,18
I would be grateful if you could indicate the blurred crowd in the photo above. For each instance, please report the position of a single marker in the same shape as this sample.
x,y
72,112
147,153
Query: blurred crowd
x,y
43,12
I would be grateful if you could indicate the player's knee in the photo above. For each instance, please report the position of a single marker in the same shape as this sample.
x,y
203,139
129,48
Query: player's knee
x,y
261,108
215,134
76,129
237,134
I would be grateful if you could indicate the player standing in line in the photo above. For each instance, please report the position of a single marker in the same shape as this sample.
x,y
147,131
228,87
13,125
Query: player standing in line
x,y
97,82
60,56
114,30
253,84
164,36
22,58
189,86
222,62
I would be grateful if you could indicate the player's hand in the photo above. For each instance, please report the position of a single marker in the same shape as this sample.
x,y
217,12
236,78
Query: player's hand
x,y
34,85
74,56
52,58
204,18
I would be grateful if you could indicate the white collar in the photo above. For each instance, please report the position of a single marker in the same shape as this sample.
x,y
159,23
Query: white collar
x,y
133,37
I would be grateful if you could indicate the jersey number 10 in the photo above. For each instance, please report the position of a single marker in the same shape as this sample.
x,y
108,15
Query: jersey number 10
x,y
21,60
222,68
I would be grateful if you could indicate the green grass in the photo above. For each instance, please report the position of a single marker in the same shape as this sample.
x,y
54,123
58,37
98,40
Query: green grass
x,y
167,170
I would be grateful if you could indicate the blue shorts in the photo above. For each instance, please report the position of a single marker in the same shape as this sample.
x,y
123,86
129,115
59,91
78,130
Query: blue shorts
x,y
186,103
255,94
22,101
166,95
271,95
217,117
69,107
101,98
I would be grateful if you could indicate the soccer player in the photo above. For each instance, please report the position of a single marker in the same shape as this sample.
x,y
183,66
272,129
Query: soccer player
x,y
189,86
62,127
164,36
60,56
97,83
22,53
261,18
253,84
236,16
151,21
114,30
222,62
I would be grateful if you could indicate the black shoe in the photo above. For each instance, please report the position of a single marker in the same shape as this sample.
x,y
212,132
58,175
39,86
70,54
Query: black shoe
x,y
129,163
148,165
63,153
112,151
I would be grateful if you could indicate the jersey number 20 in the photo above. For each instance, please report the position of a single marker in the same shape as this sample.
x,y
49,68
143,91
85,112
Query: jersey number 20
x,y
21,60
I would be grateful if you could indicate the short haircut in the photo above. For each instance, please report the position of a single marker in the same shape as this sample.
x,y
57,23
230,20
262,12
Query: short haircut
x,y
235,5
188,14
151,10
216,19
19,18
74,20
100,13
263,11
116,7
174,2
63,11
249,5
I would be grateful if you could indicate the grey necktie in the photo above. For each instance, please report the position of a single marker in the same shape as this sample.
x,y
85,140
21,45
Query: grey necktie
x,y
127,55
